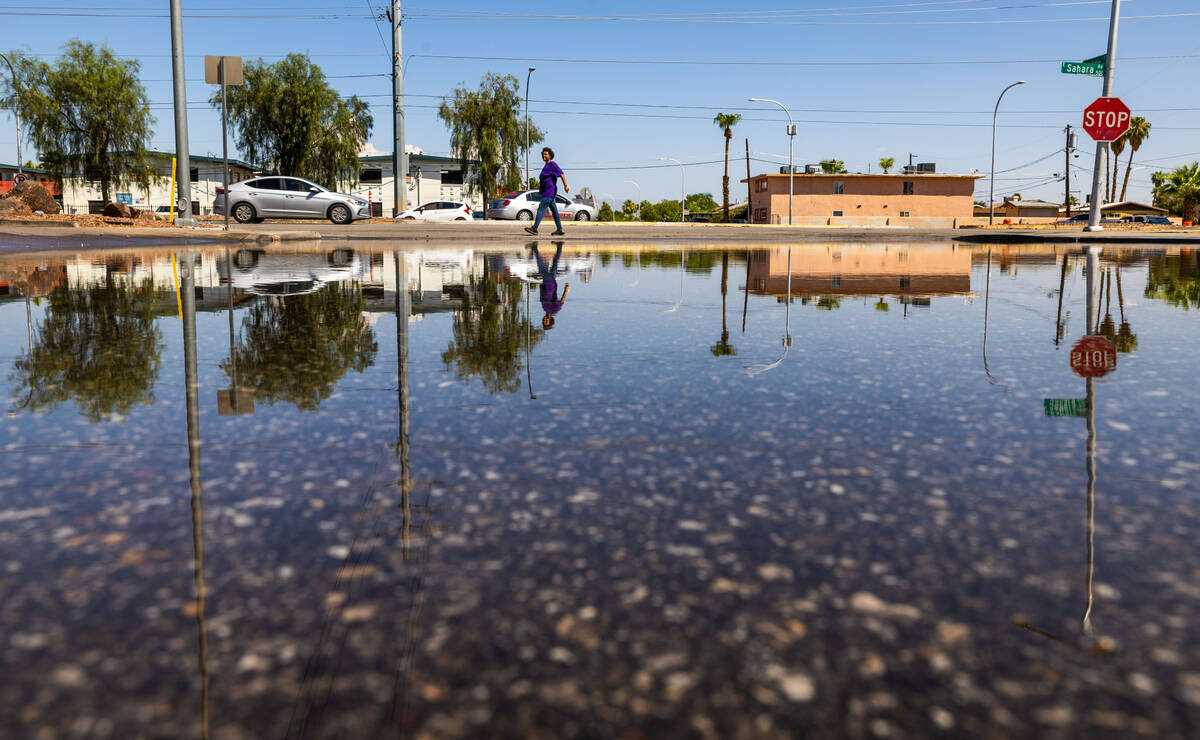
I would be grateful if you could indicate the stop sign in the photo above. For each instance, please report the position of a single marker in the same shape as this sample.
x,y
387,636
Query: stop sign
x,y
1106,119
1093,357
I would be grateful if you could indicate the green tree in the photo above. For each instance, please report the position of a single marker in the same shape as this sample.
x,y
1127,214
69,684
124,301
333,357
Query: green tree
x,y
1175,279
668,211
833,166
1136,135
629,209
649,211
701,202
886,163
487,132
287,119
297,348
1160,198
606,213
1183,185
490,333
88,114
726,121
98,346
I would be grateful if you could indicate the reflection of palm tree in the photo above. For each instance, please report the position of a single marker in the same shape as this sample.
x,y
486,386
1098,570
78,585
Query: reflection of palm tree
x,y
1126,340
98,346
296,348
1107,328
723,348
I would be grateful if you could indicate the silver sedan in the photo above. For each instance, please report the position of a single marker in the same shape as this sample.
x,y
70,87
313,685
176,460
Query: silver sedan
x,y
523,207
288,197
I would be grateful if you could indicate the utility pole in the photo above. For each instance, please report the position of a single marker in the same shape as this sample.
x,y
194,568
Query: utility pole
x,y
183,194
1101,165
399,156
16,115
1067,171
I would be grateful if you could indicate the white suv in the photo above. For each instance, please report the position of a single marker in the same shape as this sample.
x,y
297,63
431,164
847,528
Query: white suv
x,y
438,210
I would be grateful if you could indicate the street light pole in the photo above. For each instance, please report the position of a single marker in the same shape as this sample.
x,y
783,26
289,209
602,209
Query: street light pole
x,y
791,132
992,176
527,76
639,200
16,114
1110,61
683,187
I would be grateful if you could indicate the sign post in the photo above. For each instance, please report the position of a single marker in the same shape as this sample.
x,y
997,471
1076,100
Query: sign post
x,y
223,70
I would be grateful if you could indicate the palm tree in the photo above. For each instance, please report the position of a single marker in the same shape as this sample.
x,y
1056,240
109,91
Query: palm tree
x,y
1136,134
886,163
726,121
1116,146
1184,184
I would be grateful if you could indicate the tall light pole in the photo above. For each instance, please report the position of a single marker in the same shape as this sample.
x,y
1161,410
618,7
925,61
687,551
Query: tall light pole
x,y
683,187
399,156
527,76
183,196
16,114
791,132
1110,61
639,200
992,177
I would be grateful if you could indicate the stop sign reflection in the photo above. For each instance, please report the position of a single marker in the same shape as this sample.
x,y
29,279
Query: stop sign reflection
x,y
1093,357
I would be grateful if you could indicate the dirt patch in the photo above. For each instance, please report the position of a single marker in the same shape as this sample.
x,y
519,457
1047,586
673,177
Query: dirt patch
x,y
34,196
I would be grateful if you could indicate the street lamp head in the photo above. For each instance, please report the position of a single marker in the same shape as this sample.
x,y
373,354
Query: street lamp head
x,y
532,68
1020,82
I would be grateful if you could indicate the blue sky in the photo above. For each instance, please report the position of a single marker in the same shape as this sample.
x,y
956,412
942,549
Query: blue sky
x,y
621,84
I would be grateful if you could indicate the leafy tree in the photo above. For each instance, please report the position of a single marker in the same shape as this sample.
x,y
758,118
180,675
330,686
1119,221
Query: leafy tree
x,y
490,333
629,209
1183,185
98,346
487,132
1136,135
649,211
833,166
726,121
606,212
700,202
667,210
287,119
88,114
886,163
1175,279
295,349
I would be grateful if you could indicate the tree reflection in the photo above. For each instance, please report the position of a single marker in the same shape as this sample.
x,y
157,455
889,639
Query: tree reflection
x,y
489,334
295,349
98,347
1175,279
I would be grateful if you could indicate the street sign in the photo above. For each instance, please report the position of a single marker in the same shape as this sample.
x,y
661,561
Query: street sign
x,y
1083,68
212,70
1065,406
1106,119
20,177
1093,357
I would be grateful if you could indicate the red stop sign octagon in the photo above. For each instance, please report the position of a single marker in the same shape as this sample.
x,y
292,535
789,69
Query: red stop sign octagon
x,y
1093,357
1106,119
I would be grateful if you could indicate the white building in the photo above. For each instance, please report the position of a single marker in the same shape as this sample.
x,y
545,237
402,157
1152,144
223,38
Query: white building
x,y
430,178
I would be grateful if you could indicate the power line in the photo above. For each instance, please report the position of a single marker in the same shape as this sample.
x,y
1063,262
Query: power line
x,y
780,63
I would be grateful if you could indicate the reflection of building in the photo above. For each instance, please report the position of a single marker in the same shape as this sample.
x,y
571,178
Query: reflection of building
x,y
920,200
853,270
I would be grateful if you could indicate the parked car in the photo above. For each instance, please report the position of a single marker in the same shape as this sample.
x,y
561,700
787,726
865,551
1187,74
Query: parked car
x,y
1082,218
259,272
1149,220
523,206
288,197
438,210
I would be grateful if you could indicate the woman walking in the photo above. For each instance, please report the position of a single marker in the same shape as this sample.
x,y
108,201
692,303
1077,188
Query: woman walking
x,y
547,182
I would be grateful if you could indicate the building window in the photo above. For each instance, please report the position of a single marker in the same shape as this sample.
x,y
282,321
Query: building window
x,y
839,187
835,282
903,214
905,283
194,174
452,177
373,175
837,213
908,187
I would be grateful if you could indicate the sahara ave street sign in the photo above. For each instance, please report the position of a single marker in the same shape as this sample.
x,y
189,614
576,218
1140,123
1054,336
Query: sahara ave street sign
x,y
1106,119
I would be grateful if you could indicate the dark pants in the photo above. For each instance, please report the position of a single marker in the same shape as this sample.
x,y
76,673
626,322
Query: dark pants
x,y
542,206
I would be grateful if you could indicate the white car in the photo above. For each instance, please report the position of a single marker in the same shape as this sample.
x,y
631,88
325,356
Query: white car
x,y
438,210
259,272
523,207
288,197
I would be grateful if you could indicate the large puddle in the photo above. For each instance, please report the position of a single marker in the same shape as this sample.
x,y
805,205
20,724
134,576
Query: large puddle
x,y
624,493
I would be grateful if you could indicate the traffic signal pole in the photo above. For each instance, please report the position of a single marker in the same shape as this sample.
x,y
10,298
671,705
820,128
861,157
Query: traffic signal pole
x,y
1110,62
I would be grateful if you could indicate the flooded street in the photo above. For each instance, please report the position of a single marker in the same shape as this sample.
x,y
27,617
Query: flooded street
x,y
593,493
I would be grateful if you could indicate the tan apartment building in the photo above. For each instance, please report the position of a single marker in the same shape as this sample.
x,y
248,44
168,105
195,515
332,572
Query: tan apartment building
x,y
924,200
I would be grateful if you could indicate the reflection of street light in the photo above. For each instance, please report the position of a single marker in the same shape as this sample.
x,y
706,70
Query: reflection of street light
x,y
787,324
992,177
527,76
639,200
791,132
683,187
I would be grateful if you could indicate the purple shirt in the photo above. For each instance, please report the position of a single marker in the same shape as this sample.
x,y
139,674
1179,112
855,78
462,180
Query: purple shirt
x,y
548,179
548,294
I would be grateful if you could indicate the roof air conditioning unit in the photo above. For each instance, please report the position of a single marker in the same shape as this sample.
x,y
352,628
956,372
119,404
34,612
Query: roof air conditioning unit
x,y
926,167
812,169
910,169
783,170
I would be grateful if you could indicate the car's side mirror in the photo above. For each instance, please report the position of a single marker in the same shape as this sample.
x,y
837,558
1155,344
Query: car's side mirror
x,y
314,190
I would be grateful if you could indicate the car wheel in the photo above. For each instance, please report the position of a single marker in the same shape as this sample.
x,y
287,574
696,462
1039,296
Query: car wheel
x,y
244,213
339,214
245,258
340,257
409,218
524,216
460,218
583,216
